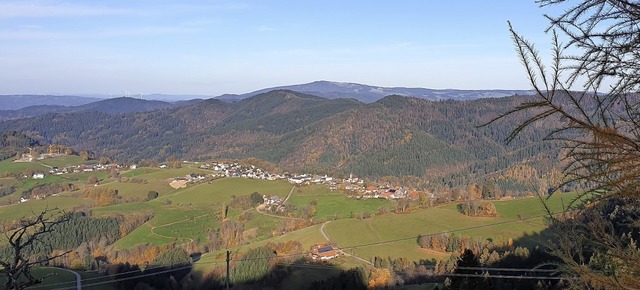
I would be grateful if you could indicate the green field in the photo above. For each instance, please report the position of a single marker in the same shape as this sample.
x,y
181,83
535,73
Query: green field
x,y
163,174
402,230
222,190
183,215
193,211
16,211
69,160
338,205
17,167
140,190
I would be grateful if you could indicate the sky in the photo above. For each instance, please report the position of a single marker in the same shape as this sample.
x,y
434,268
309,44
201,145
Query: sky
x,y
217,47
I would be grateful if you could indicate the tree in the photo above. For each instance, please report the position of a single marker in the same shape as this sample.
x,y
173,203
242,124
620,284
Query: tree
x,y
84,155
488,190
92,180
30,232
589,94
256,198
113,172
468,276
152,194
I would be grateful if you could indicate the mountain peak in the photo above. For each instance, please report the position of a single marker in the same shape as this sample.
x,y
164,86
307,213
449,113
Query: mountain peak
x,y
370,94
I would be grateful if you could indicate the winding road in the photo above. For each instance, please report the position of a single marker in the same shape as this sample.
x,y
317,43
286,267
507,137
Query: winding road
x,y
78,278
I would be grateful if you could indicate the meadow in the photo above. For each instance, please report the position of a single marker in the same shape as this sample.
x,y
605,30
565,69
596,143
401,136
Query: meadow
x,y
396,235
186,214
333,204
222,190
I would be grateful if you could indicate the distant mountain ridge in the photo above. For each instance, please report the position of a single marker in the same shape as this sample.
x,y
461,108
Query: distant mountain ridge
x,y
120,105
370,94
15,102
326,89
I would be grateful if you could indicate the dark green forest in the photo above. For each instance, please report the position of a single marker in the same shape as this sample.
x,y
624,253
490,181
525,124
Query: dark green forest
x,y
443,141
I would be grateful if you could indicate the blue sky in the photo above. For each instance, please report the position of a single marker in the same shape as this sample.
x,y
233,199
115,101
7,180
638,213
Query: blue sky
x,y
215,47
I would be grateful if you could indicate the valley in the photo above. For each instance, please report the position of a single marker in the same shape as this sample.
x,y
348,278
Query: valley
x,y
362,230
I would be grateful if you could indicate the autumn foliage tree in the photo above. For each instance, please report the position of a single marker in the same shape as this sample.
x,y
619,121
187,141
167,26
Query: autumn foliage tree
x,y
590,90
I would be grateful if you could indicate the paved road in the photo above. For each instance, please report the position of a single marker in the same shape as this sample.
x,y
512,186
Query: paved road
x,y
345,253
78,278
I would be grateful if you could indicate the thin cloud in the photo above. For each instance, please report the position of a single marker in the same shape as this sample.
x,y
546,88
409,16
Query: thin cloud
x,y
39,10
265,28
35,35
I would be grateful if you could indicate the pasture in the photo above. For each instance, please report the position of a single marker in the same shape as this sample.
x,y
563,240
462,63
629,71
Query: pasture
x,y
8,166
140,190
337,205
16,211
222,190
69,160
396,235
182,215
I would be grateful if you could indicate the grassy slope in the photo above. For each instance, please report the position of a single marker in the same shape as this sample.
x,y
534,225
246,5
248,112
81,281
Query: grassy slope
x,y
332,204
140,190
17,167
16,211
222,190
69,160
435,220
195,210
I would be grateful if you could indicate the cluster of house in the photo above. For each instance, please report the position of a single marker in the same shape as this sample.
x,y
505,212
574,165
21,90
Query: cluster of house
x,y
238,170
323,252
75,169
273,203
390,193
352,183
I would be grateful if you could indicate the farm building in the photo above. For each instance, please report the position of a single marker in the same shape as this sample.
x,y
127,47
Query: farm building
x,y
324,252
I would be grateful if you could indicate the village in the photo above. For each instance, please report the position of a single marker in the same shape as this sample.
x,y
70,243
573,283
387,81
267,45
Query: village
x,y
352,186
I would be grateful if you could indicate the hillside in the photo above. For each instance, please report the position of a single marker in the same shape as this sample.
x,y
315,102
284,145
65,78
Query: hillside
x,y
369,94
15,102
395,136
111,106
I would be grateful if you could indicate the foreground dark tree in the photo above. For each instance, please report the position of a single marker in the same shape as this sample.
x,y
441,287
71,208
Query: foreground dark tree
x,y
590,90
464,278
22,238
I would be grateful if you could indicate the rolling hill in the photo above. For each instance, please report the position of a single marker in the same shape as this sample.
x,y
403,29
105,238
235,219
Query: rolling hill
x,y
394,136
15,102
111,106
369,94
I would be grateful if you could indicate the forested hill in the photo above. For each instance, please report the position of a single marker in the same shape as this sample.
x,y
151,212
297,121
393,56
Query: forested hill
x,y
111,106
394,136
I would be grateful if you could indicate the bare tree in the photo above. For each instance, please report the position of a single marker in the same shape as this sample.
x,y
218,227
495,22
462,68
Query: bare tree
x,y
590,90
22,239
